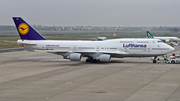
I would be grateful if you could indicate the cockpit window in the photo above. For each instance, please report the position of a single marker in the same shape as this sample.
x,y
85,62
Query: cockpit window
x,y
160,41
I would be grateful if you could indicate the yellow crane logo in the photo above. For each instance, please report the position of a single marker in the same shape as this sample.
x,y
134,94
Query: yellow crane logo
x,y
23,28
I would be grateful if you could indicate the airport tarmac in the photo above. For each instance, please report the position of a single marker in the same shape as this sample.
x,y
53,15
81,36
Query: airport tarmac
x,y
38,76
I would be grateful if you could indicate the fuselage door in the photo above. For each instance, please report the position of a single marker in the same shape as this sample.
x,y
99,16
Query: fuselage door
x,y
126,49
74,48
148,49
97,48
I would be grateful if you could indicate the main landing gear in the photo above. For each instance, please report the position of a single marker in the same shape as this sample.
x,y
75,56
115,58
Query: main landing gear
x,y
91,60
154,60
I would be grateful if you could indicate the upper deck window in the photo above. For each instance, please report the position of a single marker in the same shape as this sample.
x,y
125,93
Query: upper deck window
x,y
142,42
126,41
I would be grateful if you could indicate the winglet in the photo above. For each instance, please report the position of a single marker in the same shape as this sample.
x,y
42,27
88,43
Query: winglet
x,y
25,31
149,35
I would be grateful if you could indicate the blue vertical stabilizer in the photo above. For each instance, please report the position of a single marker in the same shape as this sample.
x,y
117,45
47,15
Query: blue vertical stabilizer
x,y
25,31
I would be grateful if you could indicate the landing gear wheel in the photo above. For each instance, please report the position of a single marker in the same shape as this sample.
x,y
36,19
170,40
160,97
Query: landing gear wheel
x,y
87,60
154,61
94,61
91,60
173,61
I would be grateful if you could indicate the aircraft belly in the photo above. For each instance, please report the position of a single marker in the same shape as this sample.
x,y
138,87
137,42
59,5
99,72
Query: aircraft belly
x,y
140,55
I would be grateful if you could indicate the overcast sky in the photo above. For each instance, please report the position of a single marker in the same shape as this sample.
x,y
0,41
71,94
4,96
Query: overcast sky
x,y
92,12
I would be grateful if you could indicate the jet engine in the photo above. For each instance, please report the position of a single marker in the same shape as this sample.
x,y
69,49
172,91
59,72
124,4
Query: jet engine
x,y
105,58
75,57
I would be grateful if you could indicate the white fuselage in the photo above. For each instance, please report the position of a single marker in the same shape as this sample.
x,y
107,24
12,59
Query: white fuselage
x,y
168,39
101,38
115,47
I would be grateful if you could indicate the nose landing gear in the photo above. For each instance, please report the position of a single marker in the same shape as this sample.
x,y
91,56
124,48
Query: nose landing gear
x,y
154,60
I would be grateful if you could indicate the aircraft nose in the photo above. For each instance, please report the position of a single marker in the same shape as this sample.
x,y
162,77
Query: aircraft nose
x,y
172,49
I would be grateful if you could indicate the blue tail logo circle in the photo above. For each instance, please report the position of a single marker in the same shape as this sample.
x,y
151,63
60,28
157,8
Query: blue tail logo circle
x,y
23,28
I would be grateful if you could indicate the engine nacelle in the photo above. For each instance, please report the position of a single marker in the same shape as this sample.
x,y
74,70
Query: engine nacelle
x,y
75,57
105,58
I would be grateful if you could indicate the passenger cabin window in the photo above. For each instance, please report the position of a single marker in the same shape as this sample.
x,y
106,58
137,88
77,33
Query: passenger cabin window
x,y
142,42
126,41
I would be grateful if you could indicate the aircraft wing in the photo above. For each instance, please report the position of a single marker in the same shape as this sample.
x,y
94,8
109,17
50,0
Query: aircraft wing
x,y
171,40
163,39
85,54
168,40
97,54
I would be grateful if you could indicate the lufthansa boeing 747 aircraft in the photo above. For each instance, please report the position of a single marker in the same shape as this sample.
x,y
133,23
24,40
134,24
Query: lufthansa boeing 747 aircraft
x,y
95,51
